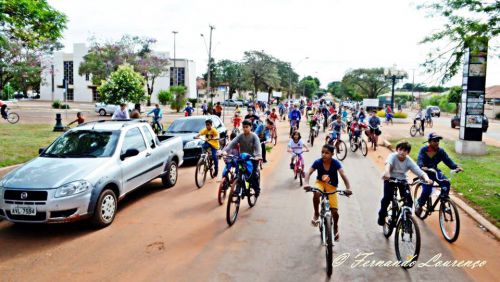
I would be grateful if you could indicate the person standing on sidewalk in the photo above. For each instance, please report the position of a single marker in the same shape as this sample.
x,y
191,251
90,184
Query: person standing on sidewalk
x,y
121,113
204,108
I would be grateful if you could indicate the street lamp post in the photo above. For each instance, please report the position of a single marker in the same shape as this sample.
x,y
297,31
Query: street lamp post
x,y
175,59
209,62
394,74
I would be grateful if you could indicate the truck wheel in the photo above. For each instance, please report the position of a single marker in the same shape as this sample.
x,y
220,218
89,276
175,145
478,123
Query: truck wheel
x,y
102,112
105,209
170,177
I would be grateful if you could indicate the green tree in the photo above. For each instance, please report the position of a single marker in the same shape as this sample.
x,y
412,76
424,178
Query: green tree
x,y
231,73
165,97
289,79
179,101
367,82
308,86
455,96
123,85
335,88
469,23
29,29
261,71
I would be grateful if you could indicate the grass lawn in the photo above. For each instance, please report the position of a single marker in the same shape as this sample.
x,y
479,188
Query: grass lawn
x,y
20,142
480,181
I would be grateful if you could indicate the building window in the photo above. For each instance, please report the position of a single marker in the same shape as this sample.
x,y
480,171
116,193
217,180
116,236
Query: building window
x,y
87,76
180,76
68,71
95,95
70,96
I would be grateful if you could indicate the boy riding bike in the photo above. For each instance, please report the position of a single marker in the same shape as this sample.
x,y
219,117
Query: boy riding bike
x,y
428,158
327,180
212,142
157,115
337,126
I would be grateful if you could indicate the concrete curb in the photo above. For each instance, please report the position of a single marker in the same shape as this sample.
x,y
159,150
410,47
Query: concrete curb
x,y
490,227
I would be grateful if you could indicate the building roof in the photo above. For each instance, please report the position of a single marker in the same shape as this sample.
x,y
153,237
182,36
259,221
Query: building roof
x,y
493,92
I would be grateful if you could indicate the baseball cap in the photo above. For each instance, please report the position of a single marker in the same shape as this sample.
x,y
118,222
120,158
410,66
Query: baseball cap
x,y
434,136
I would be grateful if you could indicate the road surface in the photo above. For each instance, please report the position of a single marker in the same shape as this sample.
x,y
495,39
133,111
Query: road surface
x,y
181,234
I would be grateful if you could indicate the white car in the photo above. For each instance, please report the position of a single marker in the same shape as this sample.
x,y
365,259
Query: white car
x,y
104,109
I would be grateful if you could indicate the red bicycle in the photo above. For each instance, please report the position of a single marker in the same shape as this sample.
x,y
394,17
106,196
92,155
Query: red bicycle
x,y
373,134
298,167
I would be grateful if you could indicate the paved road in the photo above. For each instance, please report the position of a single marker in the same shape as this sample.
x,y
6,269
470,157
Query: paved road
x,y
181,235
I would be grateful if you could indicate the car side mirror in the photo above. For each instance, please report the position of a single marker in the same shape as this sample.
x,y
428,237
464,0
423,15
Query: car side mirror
x,y
41,149
129,153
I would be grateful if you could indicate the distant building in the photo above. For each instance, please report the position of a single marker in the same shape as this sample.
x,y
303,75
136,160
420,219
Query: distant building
x,y
62,66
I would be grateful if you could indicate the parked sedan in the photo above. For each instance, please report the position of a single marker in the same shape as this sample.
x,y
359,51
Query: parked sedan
x,y
243,102
188,127
104,109
435,111
232,103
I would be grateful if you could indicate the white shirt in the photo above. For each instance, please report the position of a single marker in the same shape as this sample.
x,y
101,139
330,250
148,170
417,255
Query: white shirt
x,y
297,148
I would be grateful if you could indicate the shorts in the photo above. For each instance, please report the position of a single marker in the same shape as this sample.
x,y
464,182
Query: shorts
x,y
325,187
335,135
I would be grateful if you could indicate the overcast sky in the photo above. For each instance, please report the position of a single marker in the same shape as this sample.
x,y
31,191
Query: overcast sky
x,y
336,35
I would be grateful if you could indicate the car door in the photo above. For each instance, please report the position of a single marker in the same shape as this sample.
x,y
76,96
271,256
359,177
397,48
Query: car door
x,y
134,171
154,161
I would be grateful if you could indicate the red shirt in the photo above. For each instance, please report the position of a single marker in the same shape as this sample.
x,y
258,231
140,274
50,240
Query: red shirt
x,y
236,121
357,126
273,116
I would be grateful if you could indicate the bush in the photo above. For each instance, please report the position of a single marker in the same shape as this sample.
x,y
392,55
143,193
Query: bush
x,y
57,104
400,115
441,101
165,96
65,107
381,114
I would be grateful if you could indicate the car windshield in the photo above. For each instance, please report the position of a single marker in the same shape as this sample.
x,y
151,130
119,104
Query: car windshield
x,y
186,126
83,144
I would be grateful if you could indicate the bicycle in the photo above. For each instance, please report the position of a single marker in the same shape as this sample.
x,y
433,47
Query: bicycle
x,y
156,125
11,117
340,146
293,126
298,167
357,142
312,134
227,179
388,118
274,135
373,136
407,230
205,164
326,224
236,130
449,218
240,188
416,128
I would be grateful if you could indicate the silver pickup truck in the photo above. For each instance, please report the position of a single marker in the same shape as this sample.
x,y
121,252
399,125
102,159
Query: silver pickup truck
x,y
86,171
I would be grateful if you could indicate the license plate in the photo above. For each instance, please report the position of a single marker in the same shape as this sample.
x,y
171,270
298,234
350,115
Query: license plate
x,y
23,210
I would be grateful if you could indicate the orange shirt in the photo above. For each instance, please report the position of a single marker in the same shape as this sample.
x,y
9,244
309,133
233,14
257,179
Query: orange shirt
x,y
218,109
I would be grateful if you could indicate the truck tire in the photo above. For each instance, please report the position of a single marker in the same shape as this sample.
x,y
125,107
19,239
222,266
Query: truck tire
x,y
170,177
105,209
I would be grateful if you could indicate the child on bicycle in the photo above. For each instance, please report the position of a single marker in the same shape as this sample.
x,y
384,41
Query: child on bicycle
x,y
211,142
3,109
157,115
327,180
356,128
273,116
336,127
296,146
396,166
236,120
420,117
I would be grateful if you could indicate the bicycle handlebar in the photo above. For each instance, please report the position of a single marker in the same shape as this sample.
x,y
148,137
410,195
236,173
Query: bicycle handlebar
x,y
453,171
316,190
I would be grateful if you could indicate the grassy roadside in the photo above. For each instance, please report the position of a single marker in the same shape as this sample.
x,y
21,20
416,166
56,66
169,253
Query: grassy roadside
x,y
20,142
479,184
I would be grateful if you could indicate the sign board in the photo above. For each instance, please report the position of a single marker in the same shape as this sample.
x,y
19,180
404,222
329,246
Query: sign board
x,y
473,93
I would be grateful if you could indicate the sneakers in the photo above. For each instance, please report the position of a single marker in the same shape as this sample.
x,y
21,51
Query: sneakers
x,y
381,221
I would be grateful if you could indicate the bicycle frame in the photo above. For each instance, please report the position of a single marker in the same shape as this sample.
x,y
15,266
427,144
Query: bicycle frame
x,y
399,211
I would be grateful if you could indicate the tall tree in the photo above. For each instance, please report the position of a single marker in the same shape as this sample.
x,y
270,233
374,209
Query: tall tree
x,y
367,82
232,74
455,96
123,85
29,29
468,24
288,77
261,71
308,86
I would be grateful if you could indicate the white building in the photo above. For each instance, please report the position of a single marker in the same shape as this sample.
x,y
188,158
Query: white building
x,y
65,66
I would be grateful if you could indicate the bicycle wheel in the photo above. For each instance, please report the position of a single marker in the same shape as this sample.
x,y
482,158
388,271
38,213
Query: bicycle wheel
x,y
388,226
13,118
364,147
413,131
233,204
449,220
211,168
275,138
416,195
407,241
223,187
252,200
300,177
342,150
329,244
312,138
201,172
352,145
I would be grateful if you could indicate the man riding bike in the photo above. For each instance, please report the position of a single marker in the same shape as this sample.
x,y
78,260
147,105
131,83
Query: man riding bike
x,y
428,158
157,115
294,116
212,142
248,143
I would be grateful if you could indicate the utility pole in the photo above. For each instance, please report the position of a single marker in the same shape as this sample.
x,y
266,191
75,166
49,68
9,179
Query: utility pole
x,y
209,63
175,67
412,88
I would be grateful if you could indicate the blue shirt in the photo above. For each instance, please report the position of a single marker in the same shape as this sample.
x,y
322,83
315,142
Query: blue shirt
x,y
374,121
441,156
294,115
332,172
156,112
